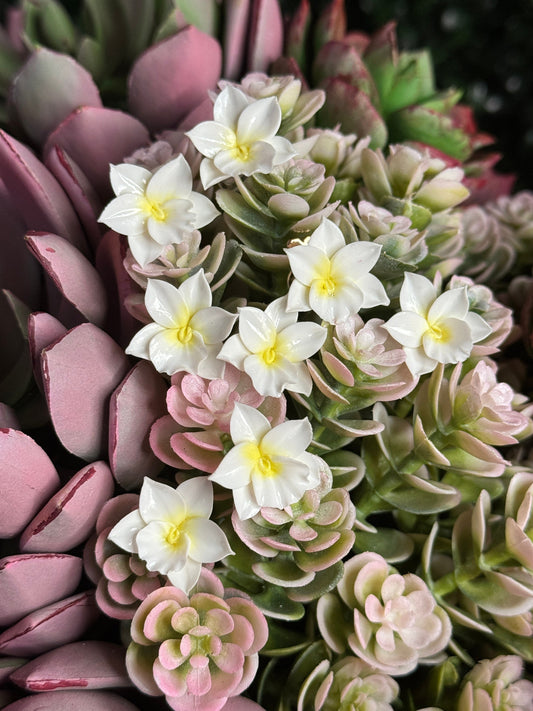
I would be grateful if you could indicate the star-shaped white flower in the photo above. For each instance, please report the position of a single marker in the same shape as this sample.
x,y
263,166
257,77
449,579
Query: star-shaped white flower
x,y
155,210
171,530
268,466
434,329
271,348
187,331
241,139
332,278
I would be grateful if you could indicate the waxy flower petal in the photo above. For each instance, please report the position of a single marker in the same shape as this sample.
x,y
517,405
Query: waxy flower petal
x,y
268,466
271,348
156,210
171,530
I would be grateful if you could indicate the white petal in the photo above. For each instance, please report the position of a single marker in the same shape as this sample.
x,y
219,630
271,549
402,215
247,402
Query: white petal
x,y
451,303
298,297
213,324
196,292
284,149
211,137
245,502
417,293
356,258
211,367
158,554
172,180
234,351
301,340
407,328
197,493
260,159
229,105
165,304
455,347
284,375
186,578
247,424
277,312
418,362
259,120
160,502
288,439
125,531
169,355
479,328
124,215
140,343
308,263
256,329
179,220
144,248
328,238
204,210
208,542
128,178
210,174
346,301
374,293
285,488
234,470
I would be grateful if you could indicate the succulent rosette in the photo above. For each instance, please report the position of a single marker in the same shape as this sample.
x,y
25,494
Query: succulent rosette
x,y
265,406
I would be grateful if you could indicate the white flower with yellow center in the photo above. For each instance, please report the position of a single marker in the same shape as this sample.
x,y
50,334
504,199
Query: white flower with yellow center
x,y
187,332
268,466
332,278
271,348
171,530
155,210
241,139
434,329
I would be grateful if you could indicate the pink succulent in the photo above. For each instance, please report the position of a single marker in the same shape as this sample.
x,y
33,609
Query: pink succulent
x,y
198,651
122,579
193,435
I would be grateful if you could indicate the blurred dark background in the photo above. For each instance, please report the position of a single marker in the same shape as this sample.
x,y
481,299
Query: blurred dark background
x,y
484,47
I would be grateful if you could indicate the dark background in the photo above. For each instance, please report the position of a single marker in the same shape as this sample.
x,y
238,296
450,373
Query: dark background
x,y
484,47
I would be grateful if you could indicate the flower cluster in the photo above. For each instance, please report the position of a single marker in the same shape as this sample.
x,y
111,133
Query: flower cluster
x,y
264,332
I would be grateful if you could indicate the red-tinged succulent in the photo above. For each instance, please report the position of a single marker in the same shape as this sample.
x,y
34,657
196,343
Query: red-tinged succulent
x,y
199,650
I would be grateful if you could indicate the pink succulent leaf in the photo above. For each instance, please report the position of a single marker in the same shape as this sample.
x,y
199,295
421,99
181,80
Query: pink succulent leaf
x,y
51,626
36,194
58,99
80,372
172,77
79,190
69,516
58,575
135,405
72,273
113,136
236,28
65,700
190,448
92,665
43,330
27,477
161,434
265,38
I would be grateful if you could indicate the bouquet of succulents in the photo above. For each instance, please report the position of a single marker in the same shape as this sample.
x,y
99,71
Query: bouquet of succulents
x,y
266,348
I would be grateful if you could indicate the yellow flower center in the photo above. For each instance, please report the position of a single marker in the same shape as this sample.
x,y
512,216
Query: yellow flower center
x,y
173,535
327,286
241,151
438,333
266,466
269,356
154,209
262,462
184,334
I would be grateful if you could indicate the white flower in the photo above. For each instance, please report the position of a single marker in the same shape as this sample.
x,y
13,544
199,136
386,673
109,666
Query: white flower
x,y
271,348
434,329
268,466
332,278
171,530
155,210
242,138
187,331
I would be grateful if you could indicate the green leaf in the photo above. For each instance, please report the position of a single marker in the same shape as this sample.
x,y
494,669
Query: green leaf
x,y
274,602
413,82
393,545
283,640
322,583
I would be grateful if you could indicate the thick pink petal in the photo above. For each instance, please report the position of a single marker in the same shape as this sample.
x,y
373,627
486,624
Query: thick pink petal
x,y
72,273
94,137
265,39
135,405
61,85
172,77
43,330
88,665
68,700
80,372
28,582
27,479
51,626
36,194
160,441
69,516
